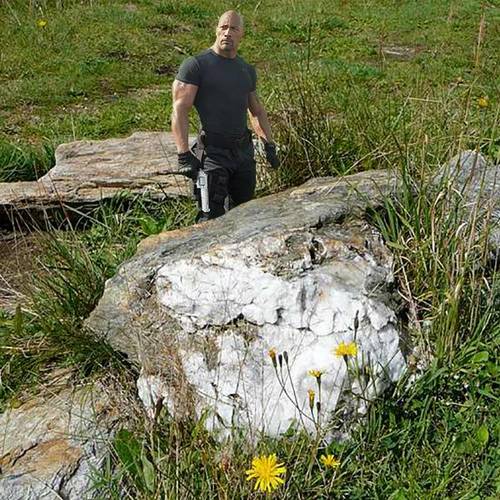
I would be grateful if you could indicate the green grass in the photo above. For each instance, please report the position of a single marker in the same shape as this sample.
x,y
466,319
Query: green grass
x,y
25,163
78,76
337,105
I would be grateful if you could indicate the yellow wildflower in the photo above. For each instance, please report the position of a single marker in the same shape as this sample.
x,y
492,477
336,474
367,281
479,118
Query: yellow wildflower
x,y
329,461
41,23
266,471
316,373
483,102
344,349
312,395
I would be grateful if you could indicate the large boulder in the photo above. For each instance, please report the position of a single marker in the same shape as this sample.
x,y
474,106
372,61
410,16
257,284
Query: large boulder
x,y
52,444
88,172
227,318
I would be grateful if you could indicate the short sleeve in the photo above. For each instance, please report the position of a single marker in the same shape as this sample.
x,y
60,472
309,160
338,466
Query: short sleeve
x,y
253,77
189,72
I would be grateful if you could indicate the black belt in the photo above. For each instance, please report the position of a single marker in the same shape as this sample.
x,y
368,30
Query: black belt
x,y
225,141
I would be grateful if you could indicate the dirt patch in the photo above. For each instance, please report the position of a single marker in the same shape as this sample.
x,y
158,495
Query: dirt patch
x,y
142,93
15,121
168,28
130,7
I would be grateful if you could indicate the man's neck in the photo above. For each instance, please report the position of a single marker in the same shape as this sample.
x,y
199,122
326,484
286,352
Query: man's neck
x,y
231,54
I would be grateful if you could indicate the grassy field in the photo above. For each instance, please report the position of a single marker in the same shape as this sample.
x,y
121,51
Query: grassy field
x,y
350,86
96,69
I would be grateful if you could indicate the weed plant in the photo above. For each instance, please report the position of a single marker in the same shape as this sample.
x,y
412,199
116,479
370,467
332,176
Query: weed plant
x,y
435,439
311,144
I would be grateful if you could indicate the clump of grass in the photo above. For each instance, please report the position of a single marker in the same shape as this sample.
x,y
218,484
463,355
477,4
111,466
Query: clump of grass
x,y
442,255
75,266
24,163
437,438
334,126
311,143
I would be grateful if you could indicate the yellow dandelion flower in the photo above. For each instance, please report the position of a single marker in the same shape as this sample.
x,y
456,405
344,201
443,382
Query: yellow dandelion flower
x,y
343,349
483,102
329,461
316,373
41,23
267,472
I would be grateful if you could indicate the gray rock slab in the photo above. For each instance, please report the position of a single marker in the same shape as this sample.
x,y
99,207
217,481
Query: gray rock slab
x,y
88,172
298,272
474,183
50,445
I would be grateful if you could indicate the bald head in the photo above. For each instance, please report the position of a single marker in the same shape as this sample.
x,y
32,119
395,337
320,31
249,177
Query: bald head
x,y
229,33
231,16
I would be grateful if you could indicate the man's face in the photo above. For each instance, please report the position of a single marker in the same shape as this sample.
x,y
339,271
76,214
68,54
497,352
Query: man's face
x,y
229,33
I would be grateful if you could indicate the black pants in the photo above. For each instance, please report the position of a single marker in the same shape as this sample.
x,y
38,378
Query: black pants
x,y
231,173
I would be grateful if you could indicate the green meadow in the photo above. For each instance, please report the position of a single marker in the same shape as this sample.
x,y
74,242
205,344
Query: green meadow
x,y
349,86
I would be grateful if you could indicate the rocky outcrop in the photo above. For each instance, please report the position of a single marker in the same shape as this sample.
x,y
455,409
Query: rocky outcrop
x,y
50,445
203,310
88,172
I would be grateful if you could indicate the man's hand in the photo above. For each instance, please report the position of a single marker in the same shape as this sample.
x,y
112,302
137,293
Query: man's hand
x,y
188,164
271,156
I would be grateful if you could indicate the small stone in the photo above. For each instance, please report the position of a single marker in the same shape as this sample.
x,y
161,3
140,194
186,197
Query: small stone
x,y
400,53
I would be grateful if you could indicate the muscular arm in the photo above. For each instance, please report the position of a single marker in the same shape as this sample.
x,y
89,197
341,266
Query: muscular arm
x,y
183,95
258,118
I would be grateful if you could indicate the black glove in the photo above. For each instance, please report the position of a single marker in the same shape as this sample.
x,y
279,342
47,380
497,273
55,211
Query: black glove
x,y
188,164
271,157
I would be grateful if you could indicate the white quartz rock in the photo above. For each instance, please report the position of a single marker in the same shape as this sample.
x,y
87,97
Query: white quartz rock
x,y
234,296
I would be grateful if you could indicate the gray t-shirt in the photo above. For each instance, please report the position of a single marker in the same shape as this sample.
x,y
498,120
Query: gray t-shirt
x,y
224,85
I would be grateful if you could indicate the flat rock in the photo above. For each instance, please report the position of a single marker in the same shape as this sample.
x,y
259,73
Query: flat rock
x,y
88,172
400,53
298,272
50,445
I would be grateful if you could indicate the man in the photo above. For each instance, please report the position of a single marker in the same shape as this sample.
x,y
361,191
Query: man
x,y
222,88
